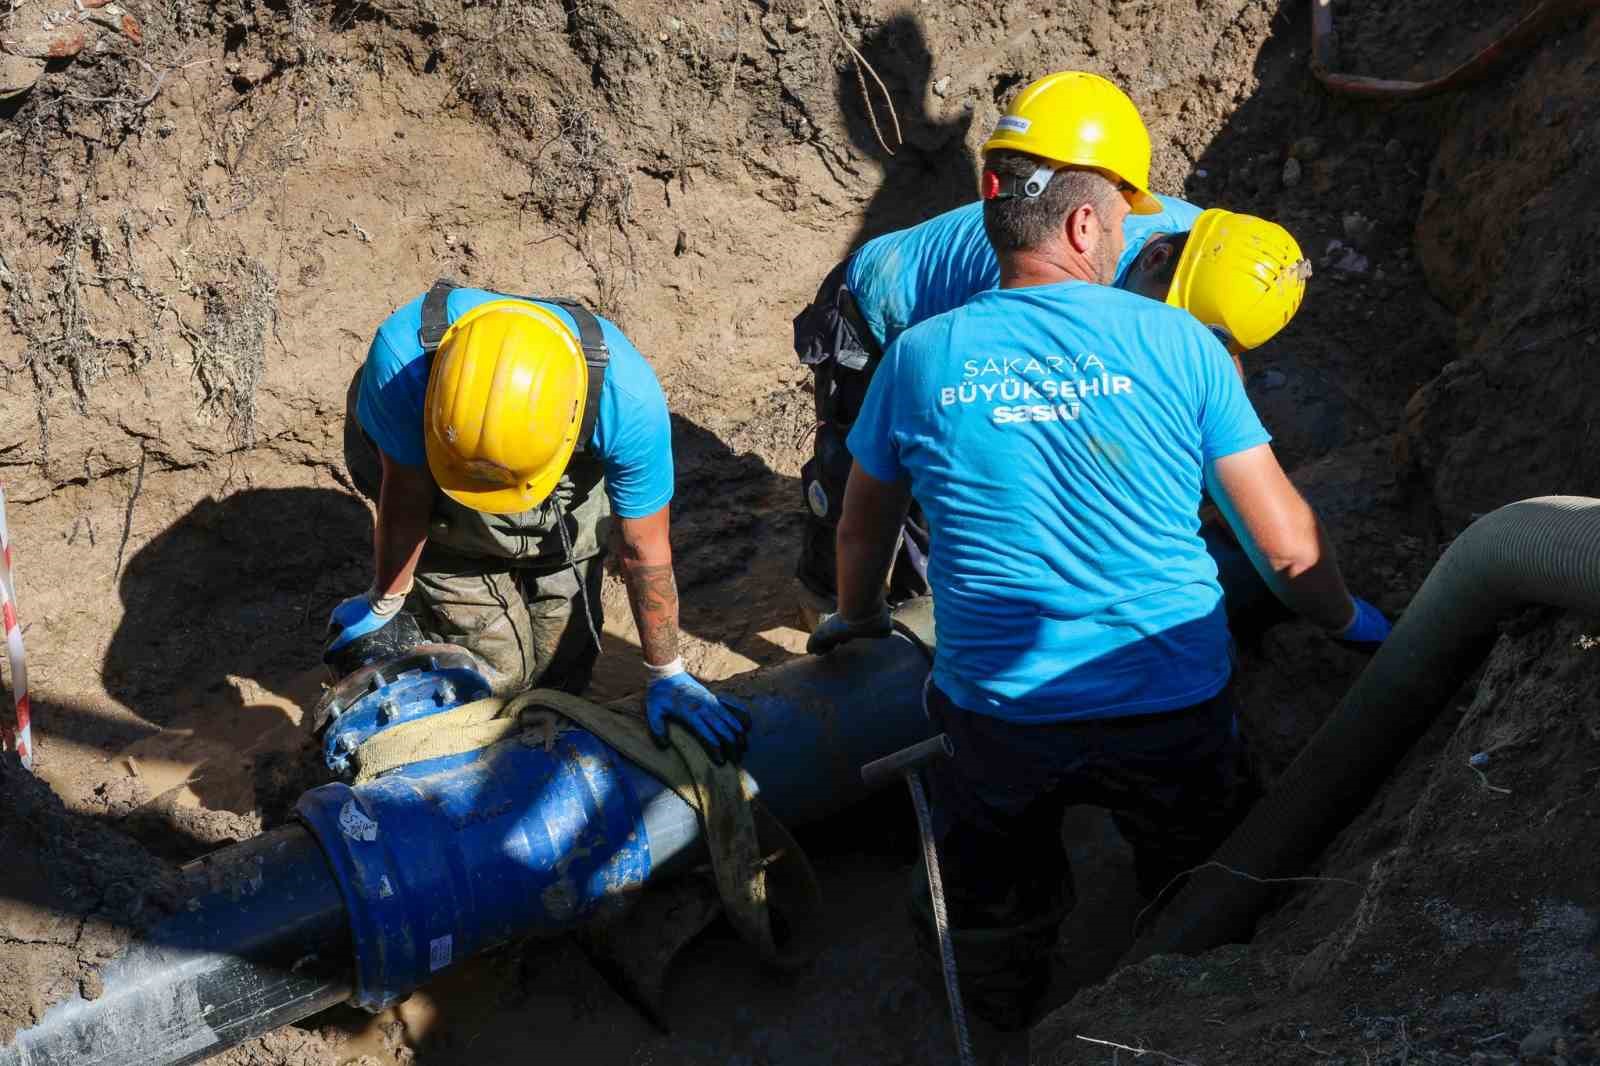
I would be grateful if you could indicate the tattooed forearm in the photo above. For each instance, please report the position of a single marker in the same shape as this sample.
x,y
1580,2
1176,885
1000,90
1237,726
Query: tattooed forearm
x,y
653,594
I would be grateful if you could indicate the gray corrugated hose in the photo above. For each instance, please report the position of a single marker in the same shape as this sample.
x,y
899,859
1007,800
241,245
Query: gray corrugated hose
x,y
1538,551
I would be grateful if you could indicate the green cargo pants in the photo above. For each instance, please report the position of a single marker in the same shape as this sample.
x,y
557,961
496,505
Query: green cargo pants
x,y
501,585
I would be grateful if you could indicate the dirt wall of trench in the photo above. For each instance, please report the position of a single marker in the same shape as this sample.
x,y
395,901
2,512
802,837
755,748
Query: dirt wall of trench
x,y
214,211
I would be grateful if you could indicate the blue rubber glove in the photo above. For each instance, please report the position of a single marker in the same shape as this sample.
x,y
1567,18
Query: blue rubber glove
x,y
1367,631
833,631
352,619
721,726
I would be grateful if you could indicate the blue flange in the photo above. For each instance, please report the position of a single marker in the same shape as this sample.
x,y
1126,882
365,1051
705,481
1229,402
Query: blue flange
x,y
430,679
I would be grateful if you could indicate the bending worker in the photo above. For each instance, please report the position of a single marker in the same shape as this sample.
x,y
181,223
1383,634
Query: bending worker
x,y
1059,433
895,281
500,436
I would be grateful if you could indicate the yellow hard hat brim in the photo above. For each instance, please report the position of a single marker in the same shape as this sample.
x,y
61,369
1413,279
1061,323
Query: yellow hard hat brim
x,y
1183,274
1140,200
485,496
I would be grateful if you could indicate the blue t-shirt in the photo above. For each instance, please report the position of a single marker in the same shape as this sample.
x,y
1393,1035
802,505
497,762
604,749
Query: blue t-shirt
x,y
1057,437
909,276
632,434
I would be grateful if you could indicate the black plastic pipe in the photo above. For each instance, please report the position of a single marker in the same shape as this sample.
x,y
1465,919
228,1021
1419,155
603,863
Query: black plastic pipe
x,y
259,940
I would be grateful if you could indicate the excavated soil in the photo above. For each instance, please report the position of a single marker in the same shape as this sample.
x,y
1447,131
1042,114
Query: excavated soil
x,y
209,213
75,892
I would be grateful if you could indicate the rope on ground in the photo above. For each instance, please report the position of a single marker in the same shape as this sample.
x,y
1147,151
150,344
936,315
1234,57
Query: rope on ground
x,y
866,96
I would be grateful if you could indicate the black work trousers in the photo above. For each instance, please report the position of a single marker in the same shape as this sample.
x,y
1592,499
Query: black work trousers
x,y
1175,783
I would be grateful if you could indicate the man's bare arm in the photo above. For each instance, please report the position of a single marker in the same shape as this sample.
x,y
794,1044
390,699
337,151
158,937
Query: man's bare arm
x,y
869,531
405,503
1281,534
645,559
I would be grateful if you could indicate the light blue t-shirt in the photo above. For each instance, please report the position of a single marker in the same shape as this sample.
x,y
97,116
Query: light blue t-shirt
x,y
632,433
909,276
1057,437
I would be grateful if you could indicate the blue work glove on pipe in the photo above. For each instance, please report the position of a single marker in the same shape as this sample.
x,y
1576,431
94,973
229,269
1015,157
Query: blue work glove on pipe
x,y
834,630
721,726
352,619
360,615
1367,631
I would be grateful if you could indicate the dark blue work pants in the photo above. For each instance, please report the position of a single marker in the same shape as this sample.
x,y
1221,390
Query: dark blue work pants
x,y
1174,782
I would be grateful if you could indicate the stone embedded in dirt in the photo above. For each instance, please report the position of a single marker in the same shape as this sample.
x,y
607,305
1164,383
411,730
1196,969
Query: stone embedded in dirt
x,y
1267,380
115,18
54,42
1344,259
247,76
1306,149
18,74
1291,172
1358,228
1542,1041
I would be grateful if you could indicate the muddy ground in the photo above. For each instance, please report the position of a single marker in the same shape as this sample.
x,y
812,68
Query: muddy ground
x,y
214,207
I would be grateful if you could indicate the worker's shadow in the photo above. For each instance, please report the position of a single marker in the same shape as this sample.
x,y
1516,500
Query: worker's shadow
x,y
220,641
219,649
736,529
929,168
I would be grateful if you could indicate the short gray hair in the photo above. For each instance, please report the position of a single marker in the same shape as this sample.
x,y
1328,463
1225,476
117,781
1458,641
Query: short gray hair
x,y
1018,222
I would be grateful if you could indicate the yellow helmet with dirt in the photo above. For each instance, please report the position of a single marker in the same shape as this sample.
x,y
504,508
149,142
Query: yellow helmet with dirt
x,y
505,403
1242,276
1074,118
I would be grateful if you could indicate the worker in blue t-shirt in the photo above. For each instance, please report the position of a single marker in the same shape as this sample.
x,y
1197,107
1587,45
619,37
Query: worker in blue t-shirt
x,y
885,287
500,437
1242,276
1059,433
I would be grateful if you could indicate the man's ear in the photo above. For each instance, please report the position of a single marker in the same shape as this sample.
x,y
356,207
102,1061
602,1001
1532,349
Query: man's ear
x,y
1083,229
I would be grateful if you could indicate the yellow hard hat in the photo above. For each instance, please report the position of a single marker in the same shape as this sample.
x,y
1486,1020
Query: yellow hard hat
x,y
505,400
1242,276
1074,118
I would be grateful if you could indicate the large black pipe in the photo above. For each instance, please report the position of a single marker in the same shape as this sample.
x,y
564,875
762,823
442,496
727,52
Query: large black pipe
x,y
1538,551
258,940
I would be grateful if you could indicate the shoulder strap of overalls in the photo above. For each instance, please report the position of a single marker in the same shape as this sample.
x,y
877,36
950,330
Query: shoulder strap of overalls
x,y
596,356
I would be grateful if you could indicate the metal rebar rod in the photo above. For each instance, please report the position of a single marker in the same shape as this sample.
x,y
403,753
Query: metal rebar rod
x,y
941,919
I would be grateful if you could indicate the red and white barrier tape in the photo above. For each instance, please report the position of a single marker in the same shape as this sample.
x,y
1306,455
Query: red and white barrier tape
x,y
21,739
